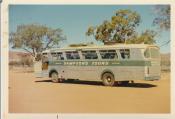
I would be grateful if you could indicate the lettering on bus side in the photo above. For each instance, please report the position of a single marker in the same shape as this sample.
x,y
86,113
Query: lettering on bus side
x,y
99,63
79,63
85,63
102,63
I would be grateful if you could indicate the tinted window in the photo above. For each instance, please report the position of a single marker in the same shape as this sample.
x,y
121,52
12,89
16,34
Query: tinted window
x,y
125,53
54,55
57,56
72,55
89,54
108,54
44,53
60,56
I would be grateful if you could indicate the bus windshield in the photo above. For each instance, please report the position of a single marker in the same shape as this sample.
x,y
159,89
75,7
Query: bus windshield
x,y
152,53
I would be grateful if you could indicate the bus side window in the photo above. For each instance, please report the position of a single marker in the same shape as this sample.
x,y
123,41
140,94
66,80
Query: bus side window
x,y
54,55
89,54
72,55
60,56
125,53
108,54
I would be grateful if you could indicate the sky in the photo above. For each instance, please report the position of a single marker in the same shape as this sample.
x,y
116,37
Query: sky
x,y
74,20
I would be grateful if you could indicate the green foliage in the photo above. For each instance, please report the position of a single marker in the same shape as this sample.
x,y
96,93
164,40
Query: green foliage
x,y
147,37
162,19
35,38
120,28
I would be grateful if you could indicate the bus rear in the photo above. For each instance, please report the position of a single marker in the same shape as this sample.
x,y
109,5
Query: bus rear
x,y
152,65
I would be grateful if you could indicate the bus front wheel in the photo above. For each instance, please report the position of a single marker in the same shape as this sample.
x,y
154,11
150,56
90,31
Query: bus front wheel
x,y
54,77
108,79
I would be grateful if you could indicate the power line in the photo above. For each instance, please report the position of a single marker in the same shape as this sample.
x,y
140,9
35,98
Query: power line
x,y
165,43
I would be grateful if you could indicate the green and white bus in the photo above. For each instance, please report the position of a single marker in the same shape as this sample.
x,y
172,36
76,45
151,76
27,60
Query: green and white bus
x,y
119,63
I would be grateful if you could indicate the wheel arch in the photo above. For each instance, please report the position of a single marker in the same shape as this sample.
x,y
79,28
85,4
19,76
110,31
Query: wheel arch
x,y
107,71
51,71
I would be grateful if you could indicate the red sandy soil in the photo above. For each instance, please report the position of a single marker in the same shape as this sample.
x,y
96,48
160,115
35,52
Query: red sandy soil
x,y
28,94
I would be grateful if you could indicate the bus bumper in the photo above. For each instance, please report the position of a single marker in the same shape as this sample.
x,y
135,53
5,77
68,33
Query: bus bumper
x,y
152,78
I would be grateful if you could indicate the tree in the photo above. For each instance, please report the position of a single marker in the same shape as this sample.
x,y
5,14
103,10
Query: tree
x,y
147,37
35,38
162,19
119,29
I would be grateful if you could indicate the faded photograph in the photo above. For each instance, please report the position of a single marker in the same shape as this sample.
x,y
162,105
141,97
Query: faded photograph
x,y
89,59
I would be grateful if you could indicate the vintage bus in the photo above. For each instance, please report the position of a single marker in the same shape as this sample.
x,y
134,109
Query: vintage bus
x,y
119,63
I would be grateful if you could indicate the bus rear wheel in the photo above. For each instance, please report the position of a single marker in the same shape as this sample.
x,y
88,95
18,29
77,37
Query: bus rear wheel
x,y
108,79
54,77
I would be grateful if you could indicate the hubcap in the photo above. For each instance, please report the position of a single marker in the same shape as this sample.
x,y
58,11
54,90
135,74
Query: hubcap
x,y
108,79
54,76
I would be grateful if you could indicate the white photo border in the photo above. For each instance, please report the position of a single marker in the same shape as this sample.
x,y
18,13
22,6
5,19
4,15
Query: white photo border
x,y
4,60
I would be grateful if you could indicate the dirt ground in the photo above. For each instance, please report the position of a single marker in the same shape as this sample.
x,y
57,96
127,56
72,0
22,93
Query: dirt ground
x,y
28,94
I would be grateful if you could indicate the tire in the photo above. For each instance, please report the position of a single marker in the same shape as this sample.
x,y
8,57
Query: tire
x,y
54,77
108,79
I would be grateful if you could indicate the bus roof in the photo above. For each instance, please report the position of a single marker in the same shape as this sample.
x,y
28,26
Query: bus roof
x,y
116,46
